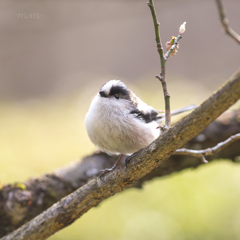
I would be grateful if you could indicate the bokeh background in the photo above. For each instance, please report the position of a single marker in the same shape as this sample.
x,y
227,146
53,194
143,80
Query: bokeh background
x,y
54,57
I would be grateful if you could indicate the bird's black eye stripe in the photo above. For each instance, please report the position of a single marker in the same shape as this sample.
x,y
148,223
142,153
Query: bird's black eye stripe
x,y
119,91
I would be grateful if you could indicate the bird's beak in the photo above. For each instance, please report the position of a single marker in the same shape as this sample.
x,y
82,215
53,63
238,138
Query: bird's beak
x,y
103,94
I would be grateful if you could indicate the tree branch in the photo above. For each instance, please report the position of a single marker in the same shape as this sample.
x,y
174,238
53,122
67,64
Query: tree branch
x,y
225,22
209,151
145,161
19,203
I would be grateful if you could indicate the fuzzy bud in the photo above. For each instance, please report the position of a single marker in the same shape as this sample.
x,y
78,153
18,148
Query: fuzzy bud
x,y
182,28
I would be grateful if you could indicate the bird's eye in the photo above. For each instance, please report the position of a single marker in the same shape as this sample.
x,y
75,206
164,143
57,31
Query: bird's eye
x,y
116,96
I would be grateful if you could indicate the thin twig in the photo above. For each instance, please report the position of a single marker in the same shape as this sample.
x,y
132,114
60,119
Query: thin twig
x,y
162,76
225,22
209,151
167,101
157,33
163,59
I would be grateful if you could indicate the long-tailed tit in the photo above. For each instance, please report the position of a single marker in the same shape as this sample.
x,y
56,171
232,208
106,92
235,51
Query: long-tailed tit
x,y
119,122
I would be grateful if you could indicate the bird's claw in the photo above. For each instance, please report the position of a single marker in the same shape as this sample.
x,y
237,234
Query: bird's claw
x,y
104,172
127,161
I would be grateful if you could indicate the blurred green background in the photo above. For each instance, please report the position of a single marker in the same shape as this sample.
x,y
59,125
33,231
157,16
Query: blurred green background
x,y
55,55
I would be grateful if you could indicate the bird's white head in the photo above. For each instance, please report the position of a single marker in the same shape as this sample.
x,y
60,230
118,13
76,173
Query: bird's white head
x,y
115,89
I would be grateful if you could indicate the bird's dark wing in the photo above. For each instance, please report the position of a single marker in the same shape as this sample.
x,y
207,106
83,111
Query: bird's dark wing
x,y
145,116
141,110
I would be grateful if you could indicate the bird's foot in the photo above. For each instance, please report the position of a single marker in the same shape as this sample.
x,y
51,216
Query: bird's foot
x,y
103,172
110,169
128,159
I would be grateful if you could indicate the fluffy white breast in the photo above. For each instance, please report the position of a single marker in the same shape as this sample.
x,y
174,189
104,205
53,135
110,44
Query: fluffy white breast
x,y
113,129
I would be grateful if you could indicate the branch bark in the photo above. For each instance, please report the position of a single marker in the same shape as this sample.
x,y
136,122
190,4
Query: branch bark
x,y
68,209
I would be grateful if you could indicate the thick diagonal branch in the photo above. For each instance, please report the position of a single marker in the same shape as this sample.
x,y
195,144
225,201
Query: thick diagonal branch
x,y
40,193
145,161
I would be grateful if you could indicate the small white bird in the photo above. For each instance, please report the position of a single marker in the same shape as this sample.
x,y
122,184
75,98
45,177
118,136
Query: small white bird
x,y
119,122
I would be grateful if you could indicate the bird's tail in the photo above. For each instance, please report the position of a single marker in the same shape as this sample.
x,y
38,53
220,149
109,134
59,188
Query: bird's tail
x,y
160,117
